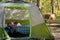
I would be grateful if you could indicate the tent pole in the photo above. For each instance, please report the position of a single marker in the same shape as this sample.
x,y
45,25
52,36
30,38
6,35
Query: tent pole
x,y
3,22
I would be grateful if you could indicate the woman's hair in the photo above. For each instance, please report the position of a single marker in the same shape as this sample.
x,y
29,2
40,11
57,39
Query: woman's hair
x,y
15,22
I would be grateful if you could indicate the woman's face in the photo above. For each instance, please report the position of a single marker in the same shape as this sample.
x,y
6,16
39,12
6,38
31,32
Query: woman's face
x,y
12,22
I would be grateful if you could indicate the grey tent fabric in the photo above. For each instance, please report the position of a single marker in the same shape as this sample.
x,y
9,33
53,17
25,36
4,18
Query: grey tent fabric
x,y
36,16
3,33
1,14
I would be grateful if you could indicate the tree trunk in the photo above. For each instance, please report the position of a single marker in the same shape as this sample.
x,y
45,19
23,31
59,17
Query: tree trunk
x,y
38,2
52,5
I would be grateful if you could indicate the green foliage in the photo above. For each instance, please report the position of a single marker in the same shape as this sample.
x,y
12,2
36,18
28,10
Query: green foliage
x,y
0,0
28,0
45,6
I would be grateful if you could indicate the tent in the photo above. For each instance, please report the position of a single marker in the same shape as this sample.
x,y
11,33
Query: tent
x,y
38,28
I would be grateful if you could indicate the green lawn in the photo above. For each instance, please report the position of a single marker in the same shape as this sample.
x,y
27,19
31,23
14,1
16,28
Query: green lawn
x,y
41,31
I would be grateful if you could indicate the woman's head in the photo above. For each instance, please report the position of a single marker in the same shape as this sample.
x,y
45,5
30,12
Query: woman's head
x,y
15,23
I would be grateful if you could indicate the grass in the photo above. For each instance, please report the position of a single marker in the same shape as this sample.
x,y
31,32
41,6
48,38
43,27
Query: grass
x,y
41,31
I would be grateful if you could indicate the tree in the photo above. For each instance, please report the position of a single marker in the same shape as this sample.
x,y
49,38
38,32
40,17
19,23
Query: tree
x,y
52,5
45,6
38,2
0,0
